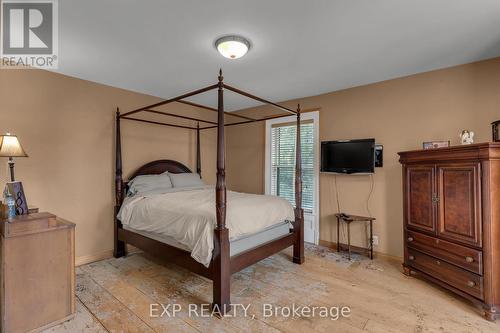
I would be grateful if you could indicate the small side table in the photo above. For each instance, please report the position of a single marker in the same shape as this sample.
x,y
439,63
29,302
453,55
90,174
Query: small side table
x,y
348,220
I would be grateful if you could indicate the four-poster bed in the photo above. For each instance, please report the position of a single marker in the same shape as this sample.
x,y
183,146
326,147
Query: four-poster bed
x,y
222,263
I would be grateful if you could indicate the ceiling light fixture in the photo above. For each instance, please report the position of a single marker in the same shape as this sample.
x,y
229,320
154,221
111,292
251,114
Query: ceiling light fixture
x,y
232,47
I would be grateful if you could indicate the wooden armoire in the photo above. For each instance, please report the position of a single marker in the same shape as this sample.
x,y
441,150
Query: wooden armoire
x,y
451,199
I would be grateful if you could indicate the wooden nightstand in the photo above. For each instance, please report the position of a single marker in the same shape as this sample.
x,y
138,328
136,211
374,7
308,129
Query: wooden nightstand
x,y
37,272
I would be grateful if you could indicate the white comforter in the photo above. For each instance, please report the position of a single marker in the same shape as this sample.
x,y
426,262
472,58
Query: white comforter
x,y
188,216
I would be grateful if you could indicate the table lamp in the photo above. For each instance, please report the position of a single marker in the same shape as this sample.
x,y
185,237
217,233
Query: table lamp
x,y
10,147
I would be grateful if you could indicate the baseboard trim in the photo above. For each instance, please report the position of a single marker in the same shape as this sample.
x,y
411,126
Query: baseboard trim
x,y
83,260
357,249
55,323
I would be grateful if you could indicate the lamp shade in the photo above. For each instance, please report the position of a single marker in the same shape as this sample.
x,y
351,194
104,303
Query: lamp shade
x,y
10,146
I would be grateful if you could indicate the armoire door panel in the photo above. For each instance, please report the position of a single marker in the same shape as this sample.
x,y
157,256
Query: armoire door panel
x,y
459,215
420,182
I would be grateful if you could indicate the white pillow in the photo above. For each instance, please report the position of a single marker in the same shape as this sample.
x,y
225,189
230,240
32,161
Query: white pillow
x,y
147,183
186,179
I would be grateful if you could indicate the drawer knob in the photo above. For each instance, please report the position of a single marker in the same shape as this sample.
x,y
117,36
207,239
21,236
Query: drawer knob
x,y
410,239
469,259
438,262
411,257
471,284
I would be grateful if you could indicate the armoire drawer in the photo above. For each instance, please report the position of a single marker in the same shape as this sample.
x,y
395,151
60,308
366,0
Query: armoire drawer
x,y
462,256
459,278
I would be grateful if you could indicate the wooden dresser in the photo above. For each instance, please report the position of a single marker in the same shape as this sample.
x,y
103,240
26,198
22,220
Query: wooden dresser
x,y
37,272
452,220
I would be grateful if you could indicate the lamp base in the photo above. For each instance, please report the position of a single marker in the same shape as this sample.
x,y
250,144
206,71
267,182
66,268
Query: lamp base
x,y
11,168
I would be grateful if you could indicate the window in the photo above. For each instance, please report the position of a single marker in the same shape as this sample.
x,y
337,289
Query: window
x,y
283,140
280,165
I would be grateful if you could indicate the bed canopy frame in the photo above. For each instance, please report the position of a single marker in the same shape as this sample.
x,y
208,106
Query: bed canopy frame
x,y
222,264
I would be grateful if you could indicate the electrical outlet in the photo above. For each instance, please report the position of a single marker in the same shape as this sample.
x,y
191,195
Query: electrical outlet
x,y
375,240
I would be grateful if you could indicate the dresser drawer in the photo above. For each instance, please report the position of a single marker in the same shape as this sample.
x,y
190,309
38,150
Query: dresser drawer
x,y
462,256
461,279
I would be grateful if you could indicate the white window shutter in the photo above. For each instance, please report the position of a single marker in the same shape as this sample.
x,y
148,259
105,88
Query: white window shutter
x,y
283,139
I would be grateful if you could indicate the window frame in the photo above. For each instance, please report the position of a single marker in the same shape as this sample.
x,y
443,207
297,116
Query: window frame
x,y
306,116
289,163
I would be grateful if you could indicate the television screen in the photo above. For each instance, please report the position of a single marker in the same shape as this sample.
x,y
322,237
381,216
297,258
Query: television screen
x,y
349,156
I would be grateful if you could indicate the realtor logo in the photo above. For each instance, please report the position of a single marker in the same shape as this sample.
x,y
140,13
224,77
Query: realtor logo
x,y
29,35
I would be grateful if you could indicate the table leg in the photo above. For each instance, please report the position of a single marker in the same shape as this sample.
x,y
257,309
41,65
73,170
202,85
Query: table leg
x,y
338,234
371,240
349,239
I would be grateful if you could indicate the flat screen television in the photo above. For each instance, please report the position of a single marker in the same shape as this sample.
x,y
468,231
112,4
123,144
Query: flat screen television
x,y
348,156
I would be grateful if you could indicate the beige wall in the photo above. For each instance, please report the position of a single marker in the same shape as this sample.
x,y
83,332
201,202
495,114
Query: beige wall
x,y
400,114
66,126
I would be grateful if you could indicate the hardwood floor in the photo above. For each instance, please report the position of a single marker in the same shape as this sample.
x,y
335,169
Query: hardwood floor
x,y
115,295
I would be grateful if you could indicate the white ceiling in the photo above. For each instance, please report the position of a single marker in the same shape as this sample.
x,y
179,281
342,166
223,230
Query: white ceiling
x,y
299,47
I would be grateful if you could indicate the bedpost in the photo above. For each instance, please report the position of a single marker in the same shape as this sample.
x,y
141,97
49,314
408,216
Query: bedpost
x,y
298,247
198,150
221,270
119,246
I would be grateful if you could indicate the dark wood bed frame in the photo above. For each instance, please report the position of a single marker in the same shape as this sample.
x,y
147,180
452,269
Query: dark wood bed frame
x,y
222,264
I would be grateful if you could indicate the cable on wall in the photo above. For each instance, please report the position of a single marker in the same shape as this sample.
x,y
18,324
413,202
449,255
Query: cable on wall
x,y
343,228
372,186
337,194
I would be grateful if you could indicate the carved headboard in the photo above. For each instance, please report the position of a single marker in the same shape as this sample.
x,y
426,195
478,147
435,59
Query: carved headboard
x,y
152,168
160,166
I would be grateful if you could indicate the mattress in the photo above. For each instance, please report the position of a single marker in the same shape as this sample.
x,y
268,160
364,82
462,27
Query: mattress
x,y
187,215
237,246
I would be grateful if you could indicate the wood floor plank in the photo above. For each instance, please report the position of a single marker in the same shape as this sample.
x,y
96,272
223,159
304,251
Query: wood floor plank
x,y
108,310
360,296
314,291
84,322
135,300
184,284
250,292
401,308
118,293
168,294
425,305
182,281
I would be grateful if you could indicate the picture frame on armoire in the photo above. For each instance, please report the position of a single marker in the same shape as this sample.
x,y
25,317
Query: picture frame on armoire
x,y
435,144
496,130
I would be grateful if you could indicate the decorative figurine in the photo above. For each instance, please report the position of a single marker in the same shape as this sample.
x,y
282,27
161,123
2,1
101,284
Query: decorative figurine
x,y
467,137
